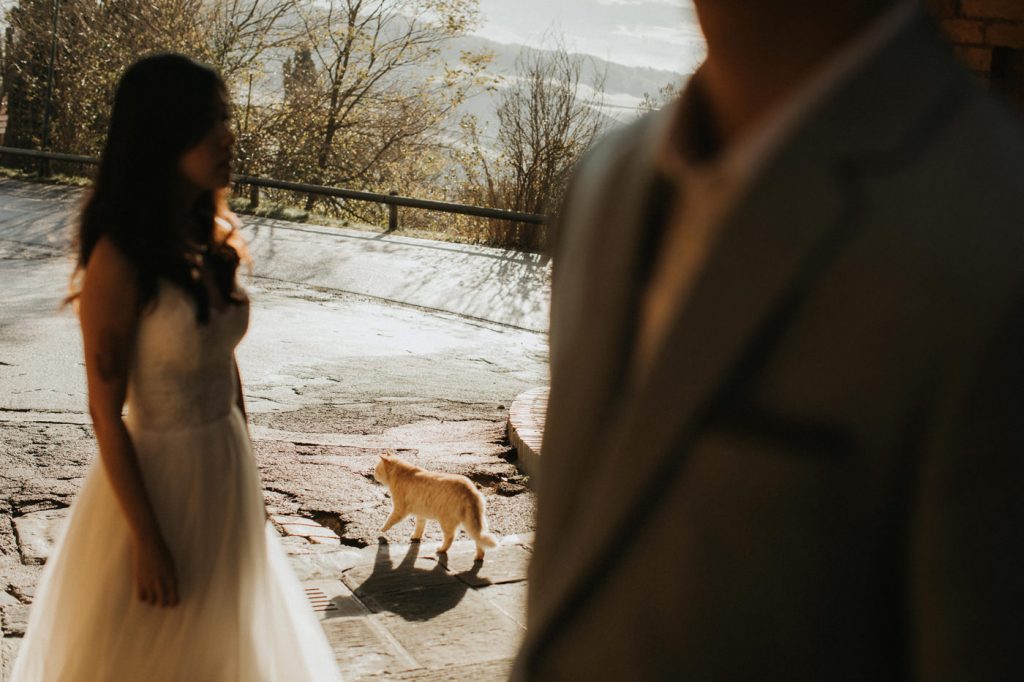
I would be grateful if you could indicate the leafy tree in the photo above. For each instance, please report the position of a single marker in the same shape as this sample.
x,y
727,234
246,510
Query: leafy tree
x,y
546,121
96,40
659,99
363,102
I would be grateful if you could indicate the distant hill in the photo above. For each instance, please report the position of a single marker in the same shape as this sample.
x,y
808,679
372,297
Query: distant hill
x,y
624,86
619,78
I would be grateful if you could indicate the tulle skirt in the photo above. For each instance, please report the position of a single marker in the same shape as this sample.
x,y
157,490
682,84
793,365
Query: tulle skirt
x,y
242,614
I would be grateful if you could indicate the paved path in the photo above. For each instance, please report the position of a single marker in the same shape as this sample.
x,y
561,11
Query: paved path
x,y
405,612
391,611
493,285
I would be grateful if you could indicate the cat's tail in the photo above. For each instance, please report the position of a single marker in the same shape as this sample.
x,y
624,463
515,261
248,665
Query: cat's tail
x,y
476,527
488,539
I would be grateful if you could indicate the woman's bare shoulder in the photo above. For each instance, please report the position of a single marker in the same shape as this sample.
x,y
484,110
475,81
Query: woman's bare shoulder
x,y
108,258
110,277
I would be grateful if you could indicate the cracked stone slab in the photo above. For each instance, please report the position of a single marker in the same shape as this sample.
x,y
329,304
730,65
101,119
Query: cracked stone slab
x,y
8,652
509,598
362,647
19,580
8,540
315,562
38,532
506,563
469,630
299,526
14,619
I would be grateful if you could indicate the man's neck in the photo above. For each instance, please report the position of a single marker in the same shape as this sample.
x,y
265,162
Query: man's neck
x,y
759,52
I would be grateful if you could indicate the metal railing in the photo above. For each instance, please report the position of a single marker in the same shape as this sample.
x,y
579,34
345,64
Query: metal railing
x,y
392,200
50,156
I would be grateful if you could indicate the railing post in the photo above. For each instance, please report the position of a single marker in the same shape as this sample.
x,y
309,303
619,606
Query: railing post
x,y
392,213
254,196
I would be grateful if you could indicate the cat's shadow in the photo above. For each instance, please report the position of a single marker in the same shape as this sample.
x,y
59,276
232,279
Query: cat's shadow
x,y
412,592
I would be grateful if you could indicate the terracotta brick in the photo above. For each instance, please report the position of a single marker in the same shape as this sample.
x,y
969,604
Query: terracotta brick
x,y
943,9
976,58
965,31
1005,35
993,9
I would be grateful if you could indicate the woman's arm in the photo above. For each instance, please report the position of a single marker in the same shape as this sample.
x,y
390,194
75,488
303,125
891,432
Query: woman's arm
x,y
109,316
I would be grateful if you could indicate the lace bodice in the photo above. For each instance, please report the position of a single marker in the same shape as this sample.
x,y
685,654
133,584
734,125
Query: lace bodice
x,y
183,373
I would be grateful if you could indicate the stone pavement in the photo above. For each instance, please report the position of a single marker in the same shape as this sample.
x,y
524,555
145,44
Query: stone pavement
x,y
405,612
390,611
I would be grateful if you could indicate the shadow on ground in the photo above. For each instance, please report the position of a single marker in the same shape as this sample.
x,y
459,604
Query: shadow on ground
x,y
417,588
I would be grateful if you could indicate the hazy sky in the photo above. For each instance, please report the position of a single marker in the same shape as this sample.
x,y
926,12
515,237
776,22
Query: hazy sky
x,y
658,33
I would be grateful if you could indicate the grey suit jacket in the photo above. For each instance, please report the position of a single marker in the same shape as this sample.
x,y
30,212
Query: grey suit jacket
x,y
824,476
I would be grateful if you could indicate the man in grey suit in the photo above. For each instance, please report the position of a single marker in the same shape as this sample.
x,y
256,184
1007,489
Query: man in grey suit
x,y
785,436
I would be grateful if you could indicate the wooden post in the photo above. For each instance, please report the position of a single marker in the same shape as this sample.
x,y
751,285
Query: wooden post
x,y
393,213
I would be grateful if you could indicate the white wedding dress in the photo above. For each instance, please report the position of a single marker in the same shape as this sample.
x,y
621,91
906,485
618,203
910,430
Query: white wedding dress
x,y
243,614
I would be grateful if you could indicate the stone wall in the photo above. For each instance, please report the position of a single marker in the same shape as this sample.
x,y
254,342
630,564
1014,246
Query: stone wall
x,y
989,37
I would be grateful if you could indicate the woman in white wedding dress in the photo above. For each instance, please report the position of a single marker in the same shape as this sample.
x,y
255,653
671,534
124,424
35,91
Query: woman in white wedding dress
x,y
167,568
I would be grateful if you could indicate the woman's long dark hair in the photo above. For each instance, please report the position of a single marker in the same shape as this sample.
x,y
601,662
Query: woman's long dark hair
x,y
164,106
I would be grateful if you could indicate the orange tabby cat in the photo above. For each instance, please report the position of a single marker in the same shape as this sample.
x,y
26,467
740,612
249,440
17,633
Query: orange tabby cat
x,y
449,498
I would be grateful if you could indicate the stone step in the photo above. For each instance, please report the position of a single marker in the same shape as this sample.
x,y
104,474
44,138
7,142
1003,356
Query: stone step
x,y
526,418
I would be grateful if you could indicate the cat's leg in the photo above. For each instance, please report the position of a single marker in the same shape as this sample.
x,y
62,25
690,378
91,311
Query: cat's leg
x,y
449,528
421,524
396,516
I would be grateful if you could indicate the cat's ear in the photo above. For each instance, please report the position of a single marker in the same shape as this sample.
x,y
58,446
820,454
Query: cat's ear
x,y
385,455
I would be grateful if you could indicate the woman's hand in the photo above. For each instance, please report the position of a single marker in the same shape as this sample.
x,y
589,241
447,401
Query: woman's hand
x,y
155,579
